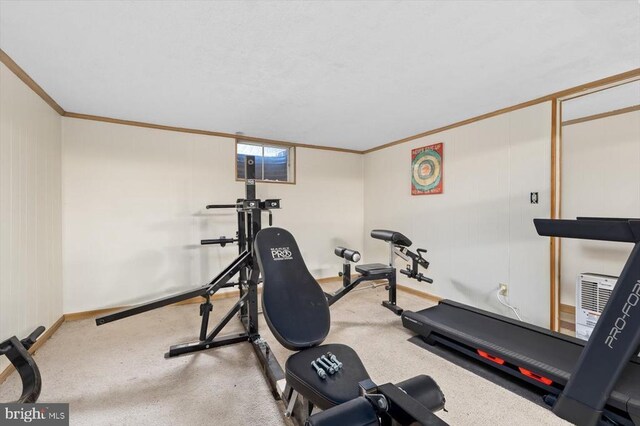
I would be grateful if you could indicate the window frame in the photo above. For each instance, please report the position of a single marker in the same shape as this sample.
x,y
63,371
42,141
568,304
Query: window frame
x,y
290,164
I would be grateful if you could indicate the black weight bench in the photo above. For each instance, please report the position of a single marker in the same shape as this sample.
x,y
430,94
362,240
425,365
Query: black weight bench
x,y
374,269
297,312
398,246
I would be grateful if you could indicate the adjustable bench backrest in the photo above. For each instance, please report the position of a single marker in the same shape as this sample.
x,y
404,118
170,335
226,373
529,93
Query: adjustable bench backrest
x,y
294,305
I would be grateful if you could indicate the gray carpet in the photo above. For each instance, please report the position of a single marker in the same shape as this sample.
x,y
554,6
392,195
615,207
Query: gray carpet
x,y
116,374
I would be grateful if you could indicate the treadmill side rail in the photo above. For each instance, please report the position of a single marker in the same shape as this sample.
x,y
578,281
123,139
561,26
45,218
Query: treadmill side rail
x,y
614,341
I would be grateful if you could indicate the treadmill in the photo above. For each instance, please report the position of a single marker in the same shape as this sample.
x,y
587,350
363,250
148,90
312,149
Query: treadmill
x,y
587,383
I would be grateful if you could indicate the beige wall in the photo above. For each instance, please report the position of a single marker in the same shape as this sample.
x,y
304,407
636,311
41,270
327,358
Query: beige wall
x,y
134,210
479,233
133,198
30,223
126,224
600,177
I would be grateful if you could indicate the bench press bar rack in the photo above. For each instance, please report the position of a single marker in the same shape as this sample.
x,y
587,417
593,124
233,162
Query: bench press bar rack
x,y
249,212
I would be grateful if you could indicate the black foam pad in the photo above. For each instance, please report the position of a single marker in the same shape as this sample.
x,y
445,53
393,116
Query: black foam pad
x,y
336,388
391,236
357,412
294,305
425,390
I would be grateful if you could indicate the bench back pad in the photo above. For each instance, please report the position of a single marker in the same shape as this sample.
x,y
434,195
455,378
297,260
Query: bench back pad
x,y
293,303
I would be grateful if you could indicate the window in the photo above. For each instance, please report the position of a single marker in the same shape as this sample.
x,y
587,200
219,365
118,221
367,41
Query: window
x,y
273,163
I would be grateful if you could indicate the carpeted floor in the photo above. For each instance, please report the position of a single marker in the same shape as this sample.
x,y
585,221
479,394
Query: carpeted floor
x,y
116,374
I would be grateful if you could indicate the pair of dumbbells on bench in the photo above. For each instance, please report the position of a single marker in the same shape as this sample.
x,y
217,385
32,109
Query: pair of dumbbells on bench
x,y
329,362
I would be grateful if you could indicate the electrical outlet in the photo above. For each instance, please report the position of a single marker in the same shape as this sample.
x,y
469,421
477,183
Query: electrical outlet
x,y
504,289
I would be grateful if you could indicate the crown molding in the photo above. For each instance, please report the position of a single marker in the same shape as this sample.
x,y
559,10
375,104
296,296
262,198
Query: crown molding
x,y
574,91
22,75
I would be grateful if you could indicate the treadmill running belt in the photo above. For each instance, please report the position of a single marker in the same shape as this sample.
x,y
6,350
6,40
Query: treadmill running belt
x,y
545,353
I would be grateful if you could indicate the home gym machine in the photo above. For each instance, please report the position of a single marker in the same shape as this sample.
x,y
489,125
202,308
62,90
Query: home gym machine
x,y
398,246
586,384
249,215
18,353
391,401
297,312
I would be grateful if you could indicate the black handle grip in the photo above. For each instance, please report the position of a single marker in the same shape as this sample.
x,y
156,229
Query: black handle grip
x,y
223,241
418,277
30,340
221,206
421,277
590,229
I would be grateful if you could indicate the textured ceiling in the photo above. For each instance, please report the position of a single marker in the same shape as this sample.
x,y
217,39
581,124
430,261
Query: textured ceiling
x,y
345,74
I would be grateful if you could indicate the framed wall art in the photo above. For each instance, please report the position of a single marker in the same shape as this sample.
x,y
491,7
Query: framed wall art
x,y
427,176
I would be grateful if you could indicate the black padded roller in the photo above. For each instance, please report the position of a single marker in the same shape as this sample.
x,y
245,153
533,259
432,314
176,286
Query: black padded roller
x,y
357,412
425,390
350,255
391,236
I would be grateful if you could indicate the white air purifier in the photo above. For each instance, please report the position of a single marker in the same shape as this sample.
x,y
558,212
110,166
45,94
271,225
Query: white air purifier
x,y
592,294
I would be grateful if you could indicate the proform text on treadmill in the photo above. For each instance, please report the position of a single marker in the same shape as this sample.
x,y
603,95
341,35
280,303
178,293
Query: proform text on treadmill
x,y
621,322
